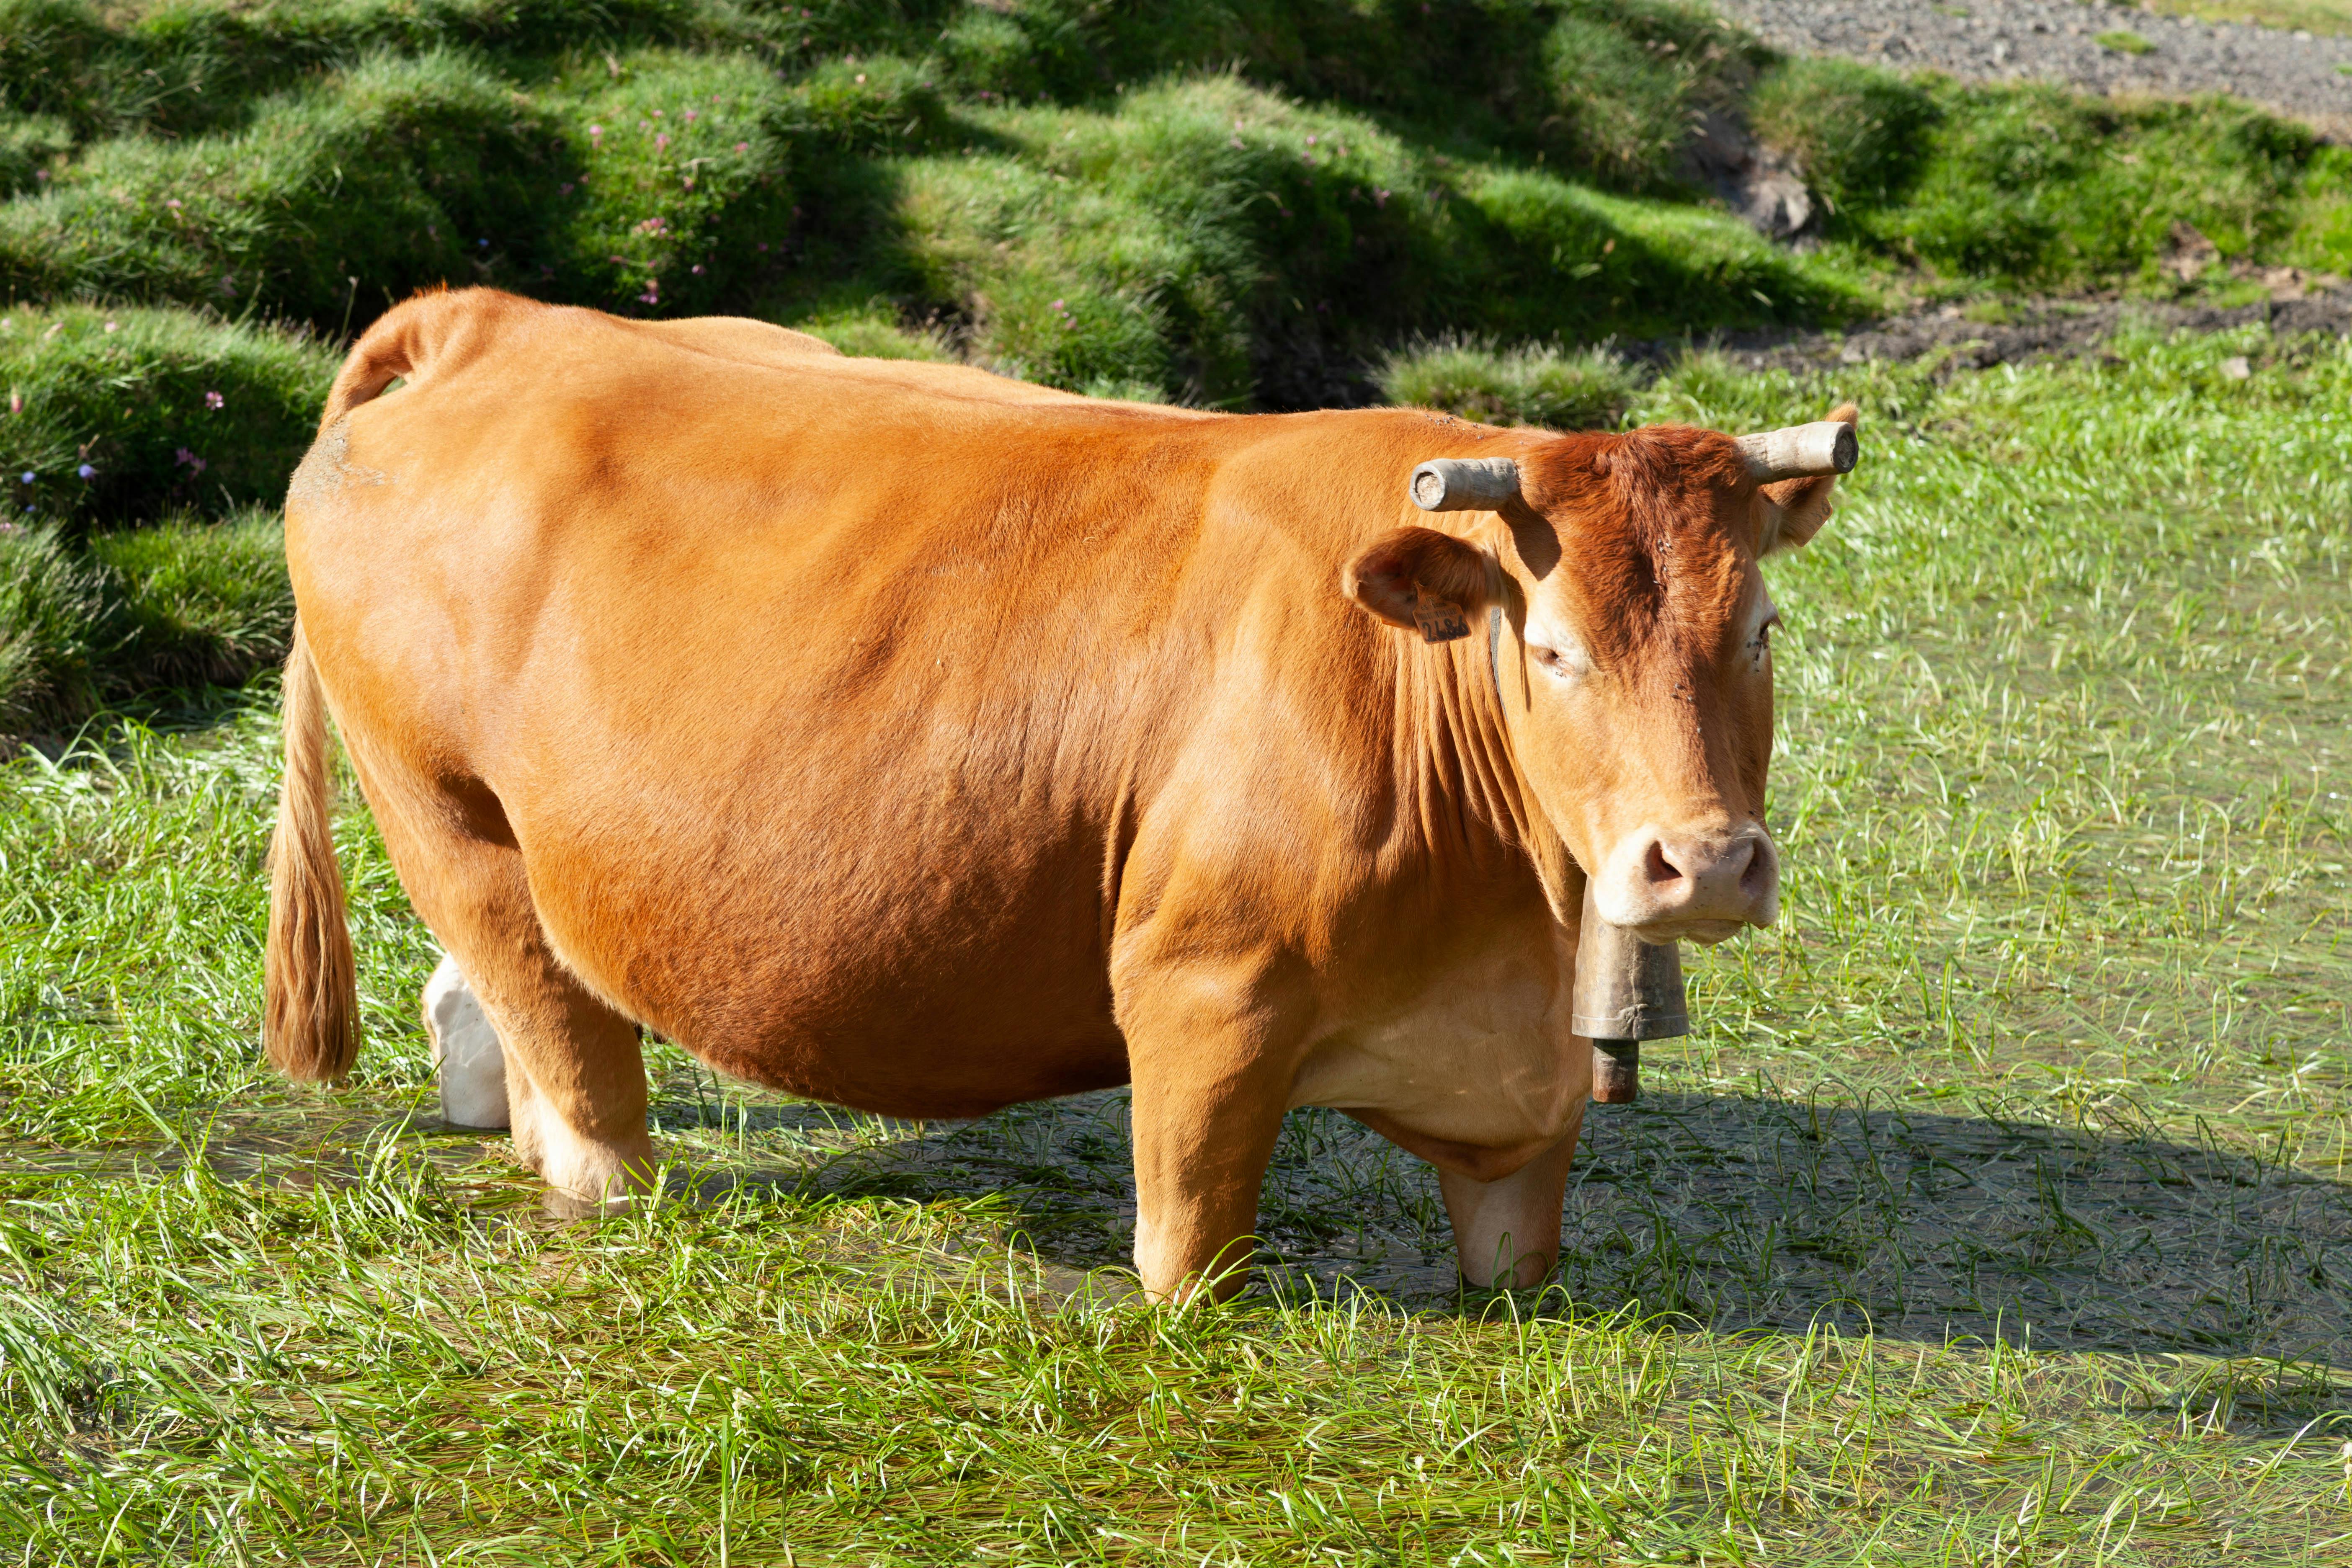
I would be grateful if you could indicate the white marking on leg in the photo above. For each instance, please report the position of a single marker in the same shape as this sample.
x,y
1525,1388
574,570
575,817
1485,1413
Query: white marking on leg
x,y
471,1063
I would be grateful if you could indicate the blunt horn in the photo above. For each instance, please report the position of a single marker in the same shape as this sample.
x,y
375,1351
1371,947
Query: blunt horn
x,y
1800,451
1464,484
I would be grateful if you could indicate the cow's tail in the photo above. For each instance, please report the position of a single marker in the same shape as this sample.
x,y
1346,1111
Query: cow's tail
x,y
386,352
309,987
421,329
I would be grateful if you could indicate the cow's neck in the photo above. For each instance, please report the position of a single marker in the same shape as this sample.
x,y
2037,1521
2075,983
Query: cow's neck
x,y
1457,767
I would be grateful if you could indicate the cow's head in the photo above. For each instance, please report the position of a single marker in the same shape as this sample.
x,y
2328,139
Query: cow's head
x,y
1633,649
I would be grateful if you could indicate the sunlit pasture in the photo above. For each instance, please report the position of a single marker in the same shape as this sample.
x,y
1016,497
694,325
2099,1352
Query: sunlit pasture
x,y
1997,1213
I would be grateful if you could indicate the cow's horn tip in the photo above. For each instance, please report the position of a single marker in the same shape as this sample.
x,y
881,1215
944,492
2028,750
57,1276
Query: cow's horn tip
x,y
1845,449
1464,484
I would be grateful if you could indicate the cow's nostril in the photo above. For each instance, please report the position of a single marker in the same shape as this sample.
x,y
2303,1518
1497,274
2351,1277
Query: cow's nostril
x,y
1656,867
1756,877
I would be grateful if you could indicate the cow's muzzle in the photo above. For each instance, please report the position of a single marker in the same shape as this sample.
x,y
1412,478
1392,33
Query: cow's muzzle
x,y
1696,886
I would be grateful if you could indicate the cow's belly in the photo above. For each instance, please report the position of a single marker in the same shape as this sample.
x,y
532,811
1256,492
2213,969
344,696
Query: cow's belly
x,y
1481,1055
929,958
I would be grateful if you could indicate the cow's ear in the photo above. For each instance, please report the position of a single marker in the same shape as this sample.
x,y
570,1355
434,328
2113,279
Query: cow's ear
x,y
1423,581
1794,509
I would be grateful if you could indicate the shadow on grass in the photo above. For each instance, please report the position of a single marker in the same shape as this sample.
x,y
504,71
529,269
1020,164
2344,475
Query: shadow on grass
x,y
1733,1213
1738,1212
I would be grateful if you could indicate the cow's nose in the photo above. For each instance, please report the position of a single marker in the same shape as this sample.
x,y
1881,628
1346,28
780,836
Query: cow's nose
x,y
1705,885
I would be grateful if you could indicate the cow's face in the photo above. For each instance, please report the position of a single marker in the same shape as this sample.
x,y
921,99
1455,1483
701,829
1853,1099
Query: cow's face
x,y
1633,656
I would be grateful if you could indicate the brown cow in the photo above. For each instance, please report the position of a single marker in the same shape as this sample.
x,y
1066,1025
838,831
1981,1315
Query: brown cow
x,y
908,738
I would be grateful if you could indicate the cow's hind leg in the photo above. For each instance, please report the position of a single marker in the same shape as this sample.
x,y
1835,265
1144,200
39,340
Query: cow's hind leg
x,y
469,1061
575,1079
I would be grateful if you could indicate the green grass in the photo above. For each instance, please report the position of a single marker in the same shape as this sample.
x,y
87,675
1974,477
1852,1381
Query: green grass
x,y
2126,43
1998,1214
1265,206
2030,186
1530,384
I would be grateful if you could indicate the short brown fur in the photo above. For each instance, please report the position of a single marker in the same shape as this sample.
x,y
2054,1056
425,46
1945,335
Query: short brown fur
x,y
908,738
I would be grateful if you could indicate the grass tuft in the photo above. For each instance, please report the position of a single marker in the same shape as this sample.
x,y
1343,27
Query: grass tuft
x,y
121,413
1531,383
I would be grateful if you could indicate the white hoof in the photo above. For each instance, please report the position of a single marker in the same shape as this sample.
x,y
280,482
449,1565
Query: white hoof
x,y
471,1063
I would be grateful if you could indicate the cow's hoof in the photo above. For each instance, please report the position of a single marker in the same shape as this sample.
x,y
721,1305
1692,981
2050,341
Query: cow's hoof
x,y
558,1204
471,1064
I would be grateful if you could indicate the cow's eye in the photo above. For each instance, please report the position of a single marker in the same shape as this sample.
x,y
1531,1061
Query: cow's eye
x,y
1566,663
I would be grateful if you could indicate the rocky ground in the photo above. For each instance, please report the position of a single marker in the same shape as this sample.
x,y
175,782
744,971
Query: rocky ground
x,y
2293,73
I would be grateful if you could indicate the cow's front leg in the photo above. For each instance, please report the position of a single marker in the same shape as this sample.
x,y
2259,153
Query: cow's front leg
x,y
1506,1232
1212,1075
468,1059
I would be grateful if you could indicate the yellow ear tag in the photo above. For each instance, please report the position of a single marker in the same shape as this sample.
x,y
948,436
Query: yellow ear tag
x,y
1440,620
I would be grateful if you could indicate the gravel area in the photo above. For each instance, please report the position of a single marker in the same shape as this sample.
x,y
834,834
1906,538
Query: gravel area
x,y
2293,73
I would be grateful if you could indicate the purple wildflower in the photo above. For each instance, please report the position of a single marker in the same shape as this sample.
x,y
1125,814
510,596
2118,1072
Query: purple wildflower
x,y
214,400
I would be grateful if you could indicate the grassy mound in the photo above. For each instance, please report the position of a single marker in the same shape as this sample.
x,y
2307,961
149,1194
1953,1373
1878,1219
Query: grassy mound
x,y
182,604
1533,384
1231,194
1285,205
2034,186
120,413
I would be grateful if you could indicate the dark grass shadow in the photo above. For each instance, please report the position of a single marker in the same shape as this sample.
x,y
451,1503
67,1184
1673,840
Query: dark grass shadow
x,y
1734,1213
183,712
